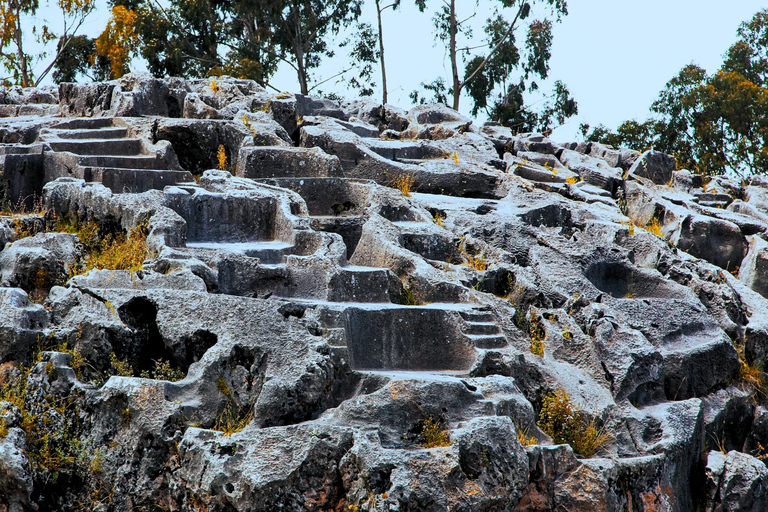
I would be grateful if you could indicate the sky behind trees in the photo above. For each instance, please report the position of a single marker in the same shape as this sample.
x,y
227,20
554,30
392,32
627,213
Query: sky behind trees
x,y
614,56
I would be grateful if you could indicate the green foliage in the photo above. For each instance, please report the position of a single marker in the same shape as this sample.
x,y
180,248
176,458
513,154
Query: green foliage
x,y
163,371
500,71
79,58
50,423
433,434
711,124
566,423
121,368
19,19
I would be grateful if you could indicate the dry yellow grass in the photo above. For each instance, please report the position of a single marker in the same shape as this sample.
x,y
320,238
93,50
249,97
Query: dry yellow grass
x,y
120,252
433,435
404,183
221,157
654,226
566,423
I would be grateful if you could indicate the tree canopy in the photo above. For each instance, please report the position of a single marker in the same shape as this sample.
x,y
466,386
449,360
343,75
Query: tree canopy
x,y
712,124
499,71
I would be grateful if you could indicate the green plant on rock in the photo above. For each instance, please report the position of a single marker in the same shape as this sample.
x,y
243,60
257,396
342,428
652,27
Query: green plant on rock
x,y
538,334
233,419
163,371
407,298
121,367
433,435
566,423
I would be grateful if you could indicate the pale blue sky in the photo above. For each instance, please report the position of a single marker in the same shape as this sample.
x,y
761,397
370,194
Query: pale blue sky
x,y
614,55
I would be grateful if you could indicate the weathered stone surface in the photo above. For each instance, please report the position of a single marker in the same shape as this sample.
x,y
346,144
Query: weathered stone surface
x,y
39,261
736,481
754,269
15,474
654,165
370,314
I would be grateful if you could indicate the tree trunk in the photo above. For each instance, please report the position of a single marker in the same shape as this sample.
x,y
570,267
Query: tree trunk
x,y
298,50
454,65
381,52
17,35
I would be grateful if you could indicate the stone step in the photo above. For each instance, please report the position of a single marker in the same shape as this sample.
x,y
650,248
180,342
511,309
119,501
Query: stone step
x,y
86,123
350,228
267,162
122,162
135,180
481,328
362,284
407,338
478,315
89,133
112,147
269,252
488,342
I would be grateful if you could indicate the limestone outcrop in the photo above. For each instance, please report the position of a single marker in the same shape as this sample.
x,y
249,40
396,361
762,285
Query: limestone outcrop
x,y
348,306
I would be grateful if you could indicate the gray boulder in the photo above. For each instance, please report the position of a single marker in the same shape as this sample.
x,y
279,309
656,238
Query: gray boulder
x,y
40,261
754,269
718,241
21,322
15,471
736,482
654,165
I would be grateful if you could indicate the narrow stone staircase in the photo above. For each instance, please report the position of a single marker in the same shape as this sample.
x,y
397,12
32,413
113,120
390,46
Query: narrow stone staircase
x,y
480,325
99,150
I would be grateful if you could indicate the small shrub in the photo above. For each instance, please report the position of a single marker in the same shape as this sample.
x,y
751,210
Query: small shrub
x,y
538,334
433,435
3,429
122,368
214,86
404,183
566,423
654,226
163,371
221,157
572,180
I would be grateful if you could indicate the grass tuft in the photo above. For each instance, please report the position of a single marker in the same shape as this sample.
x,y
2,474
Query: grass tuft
x,y
751,374
538,334
433,435
566,423
221,157
654,227
525,439
404,183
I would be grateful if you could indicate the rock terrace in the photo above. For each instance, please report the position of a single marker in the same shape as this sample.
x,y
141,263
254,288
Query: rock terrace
x,y
346,275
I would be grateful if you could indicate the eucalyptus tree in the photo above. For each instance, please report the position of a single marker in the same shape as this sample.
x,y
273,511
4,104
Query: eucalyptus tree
x,y
380,8
498,70
300,31
713,124
17,23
